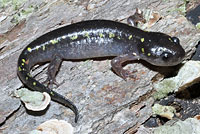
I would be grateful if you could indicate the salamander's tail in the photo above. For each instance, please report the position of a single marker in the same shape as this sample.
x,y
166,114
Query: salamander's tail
x,y
29,81
61,99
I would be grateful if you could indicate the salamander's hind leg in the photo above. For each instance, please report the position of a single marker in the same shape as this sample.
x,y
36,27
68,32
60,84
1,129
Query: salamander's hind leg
x,y
52,71
117,65
136,18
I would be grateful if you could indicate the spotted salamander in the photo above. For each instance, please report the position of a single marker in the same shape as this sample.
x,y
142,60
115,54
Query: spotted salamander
x,y
96,38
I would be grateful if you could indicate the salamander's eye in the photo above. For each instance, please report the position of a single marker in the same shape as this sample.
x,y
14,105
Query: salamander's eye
x,y
175,40
165,56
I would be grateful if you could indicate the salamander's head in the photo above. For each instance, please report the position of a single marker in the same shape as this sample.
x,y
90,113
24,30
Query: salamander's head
x,y
161,50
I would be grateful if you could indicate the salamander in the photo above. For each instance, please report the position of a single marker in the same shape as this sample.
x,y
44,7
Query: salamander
x,y
91,39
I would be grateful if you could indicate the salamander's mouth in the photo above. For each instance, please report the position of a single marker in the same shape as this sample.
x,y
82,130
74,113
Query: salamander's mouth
x,y
175,58
180,56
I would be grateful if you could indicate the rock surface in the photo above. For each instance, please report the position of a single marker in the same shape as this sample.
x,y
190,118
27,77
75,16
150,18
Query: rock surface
x,y
107,104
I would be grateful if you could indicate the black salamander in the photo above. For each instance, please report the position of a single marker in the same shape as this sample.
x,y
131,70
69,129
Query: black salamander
x,y
96,38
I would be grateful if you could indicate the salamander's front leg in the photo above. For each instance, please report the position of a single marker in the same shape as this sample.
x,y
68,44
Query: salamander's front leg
x,y
53,69
117,65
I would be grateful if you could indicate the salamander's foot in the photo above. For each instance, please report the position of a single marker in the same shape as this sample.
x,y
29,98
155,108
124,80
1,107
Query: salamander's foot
x,y
136,18
116,64
51,82
125,74
52,70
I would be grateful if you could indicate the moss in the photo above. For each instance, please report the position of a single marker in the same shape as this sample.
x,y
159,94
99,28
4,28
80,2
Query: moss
x,y
163,111
15,4
33,97
23,14
164,88
188,75
189,126
181,8
198,25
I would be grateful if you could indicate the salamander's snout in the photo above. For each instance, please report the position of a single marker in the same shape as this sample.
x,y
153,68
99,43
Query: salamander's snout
x,y
172,58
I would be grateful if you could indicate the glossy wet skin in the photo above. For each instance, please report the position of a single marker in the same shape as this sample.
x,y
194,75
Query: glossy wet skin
x,y
161,50
96,38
